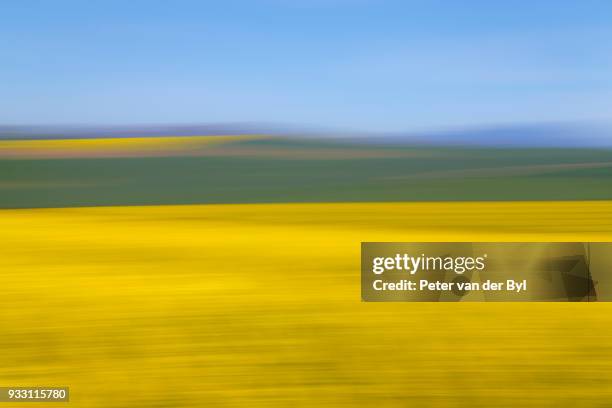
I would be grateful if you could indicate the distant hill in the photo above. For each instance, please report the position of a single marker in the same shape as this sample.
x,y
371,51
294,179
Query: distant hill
x,y
95,131
538,135
532,135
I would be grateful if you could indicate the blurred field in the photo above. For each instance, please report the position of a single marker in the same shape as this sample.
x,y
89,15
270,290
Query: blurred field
x,y
258,305
258,169
113,147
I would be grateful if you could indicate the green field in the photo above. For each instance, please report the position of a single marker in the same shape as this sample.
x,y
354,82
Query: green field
x,y
309,171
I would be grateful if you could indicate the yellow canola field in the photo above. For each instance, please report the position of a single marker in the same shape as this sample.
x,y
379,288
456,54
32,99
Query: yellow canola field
x,y
105,146
259,306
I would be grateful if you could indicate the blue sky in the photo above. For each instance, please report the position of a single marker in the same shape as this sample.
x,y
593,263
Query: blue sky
x,y
346,64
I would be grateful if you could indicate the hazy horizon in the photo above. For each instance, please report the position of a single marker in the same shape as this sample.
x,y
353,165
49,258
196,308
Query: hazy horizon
x,y
544,134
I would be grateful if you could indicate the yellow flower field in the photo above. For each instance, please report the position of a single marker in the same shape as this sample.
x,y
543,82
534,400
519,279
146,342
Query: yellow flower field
x,y
127,146
259,305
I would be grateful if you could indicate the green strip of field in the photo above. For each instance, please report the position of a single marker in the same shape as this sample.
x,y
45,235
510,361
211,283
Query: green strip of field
x,y
424,174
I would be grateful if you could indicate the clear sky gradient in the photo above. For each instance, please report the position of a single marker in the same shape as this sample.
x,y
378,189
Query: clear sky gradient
x,y
345,64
